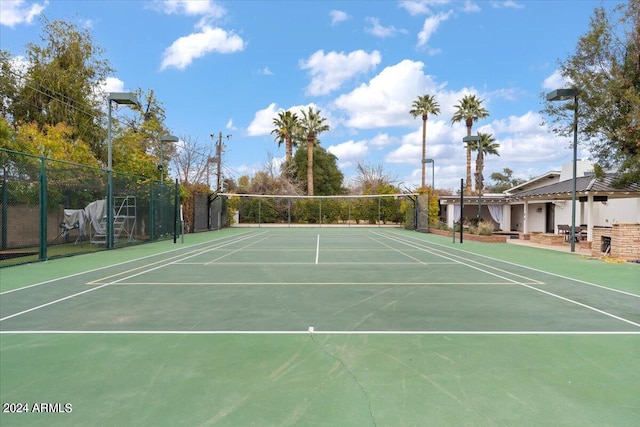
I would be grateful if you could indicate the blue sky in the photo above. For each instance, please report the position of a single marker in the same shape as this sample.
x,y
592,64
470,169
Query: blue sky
x,y
230,66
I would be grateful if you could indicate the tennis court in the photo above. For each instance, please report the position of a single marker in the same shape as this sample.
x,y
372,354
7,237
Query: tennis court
x,y
335,326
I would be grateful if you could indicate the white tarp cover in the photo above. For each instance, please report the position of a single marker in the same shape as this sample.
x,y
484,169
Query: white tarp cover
x,y
95,212
74,218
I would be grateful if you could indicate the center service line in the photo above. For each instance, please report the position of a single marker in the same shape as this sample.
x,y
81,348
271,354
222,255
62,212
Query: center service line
x,y
317,248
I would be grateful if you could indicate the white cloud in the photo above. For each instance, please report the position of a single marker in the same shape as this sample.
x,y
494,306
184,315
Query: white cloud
x,y
386,99
338,16
230,125
556,81
420,7
110,84
383,140
14,12
329,72
406,154
379,31
262,123
189,8
185,49
430,26
442,142
19,64
470,7
113,84
266,71
349,153
508,4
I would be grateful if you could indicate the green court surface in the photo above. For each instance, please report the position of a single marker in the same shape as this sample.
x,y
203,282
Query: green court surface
x,y
320,327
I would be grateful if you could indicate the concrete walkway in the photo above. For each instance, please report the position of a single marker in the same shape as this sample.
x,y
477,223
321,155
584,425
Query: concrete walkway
x,y
561,248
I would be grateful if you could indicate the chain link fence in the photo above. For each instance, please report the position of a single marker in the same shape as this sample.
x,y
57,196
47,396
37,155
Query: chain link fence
x,y
53,208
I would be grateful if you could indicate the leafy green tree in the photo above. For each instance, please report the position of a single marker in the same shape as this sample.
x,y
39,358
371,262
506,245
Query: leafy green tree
x,y
422,107
9,85
605,68
328,178
61,82
286,127
469,110
503,181
312,124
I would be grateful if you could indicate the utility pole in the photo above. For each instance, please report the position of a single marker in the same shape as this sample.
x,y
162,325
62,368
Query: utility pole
x,y
218,159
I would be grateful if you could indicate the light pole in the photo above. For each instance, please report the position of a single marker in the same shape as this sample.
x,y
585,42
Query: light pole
x,y
163,139
468,140
563,95
433,172
126,98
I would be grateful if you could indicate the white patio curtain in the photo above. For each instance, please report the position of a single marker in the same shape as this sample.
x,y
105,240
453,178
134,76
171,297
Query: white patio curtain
x,y
496,213
456,213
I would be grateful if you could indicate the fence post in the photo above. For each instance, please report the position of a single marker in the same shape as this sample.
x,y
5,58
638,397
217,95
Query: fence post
x,y
43,212
5,208
175,212
151,216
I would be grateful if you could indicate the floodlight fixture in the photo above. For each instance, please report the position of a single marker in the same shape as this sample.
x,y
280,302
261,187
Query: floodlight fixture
x,y
563,95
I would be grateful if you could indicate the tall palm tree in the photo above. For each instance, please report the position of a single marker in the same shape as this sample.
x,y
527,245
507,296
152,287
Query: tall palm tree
x,y
487,145
311,125
286,126
423,106
469,110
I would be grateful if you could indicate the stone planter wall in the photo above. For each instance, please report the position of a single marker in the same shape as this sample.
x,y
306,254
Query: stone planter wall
x,y
625,241
547,239
471,237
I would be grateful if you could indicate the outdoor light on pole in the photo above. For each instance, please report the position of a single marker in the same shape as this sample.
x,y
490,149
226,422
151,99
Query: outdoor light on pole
x,y
563,95
468,140
163,139
126,98
433,173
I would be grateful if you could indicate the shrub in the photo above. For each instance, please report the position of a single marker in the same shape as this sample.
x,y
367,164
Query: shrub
x,y
485,228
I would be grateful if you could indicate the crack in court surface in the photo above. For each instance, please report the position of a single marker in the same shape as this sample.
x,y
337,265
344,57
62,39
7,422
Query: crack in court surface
x,y
351,374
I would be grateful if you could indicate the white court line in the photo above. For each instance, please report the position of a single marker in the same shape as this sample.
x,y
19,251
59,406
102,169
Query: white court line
x,y
112,265
582,305
448,255
317,332
399,251
311,283
237,250
411,244
526,267
559,297
317,248
311,263
53,302
106,284
186,255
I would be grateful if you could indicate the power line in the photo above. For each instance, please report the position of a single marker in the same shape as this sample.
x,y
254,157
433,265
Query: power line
x,y
52,94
